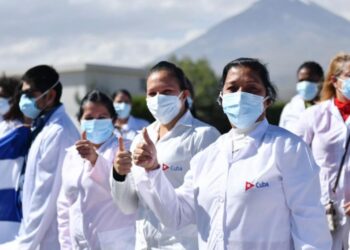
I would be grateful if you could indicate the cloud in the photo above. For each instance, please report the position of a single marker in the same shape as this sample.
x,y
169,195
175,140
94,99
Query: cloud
x,y
110,31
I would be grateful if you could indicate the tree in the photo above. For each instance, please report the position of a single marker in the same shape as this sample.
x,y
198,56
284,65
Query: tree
x,y
206,88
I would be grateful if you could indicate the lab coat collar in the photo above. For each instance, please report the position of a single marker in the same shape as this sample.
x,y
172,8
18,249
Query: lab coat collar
x,y
335,111
254,138
185,120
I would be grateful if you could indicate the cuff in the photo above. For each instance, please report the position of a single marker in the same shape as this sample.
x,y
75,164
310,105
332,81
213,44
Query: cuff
x,y
118,177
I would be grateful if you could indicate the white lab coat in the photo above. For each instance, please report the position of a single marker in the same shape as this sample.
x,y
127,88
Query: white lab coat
x,y
8,126
42,183
87,216
131,128
263,197
323,128
291,112
174,152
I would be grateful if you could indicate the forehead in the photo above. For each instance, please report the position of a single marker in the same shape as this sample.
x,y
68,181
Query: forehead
x,y
162,79
242,74
121,97
346,68
95,107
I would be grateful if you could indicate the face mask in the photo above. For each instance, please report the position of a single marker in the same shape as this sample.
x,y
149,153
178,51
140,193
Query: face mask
x,y
28,105
189,102
164,108
242,108
307,90
345,87
123,109
97,130
4,105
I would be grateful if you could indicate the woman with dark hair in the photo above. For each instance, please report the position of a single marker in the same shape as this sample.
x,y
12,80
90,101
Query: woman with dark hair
x,y
87,215
14,146
325,127
310,77
127,125
10,114
178,136
256,187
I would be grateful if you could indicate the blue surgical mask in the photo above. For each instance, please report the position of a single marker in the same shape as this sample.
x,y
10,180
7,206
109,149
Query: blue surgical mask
x,y
189,102
242,108
4,105
164,108
123,109
28,105
97,130
345,87
307,90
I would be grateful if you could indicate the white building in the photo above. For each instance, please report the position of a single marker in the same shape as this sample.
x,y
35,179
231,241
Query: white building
x,y
77,80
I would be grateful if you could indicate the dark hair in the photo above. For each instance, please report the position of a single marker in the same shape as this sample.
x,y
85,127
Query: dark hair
x,y
42,78
96,96
258,67
314,67
11,87
122,91
173,70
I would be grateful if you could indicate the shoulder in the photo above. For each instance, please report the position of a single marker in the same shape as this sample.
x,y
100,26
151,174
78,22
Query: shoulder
x,y
139,122
204,128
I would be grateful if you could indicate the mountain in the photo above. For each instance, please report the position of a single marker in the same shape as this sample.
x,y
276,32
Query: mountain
x,y
281,33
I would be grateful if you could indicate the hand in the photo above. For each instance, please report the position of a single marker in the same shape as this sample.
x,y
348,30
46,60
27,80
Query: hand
x,y
347,208
86,149
145,153
122,161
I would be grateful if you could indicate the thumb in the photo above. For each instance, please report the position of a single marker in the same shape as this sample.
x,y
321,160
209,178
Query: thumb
x,y
83,135
121,146
146,136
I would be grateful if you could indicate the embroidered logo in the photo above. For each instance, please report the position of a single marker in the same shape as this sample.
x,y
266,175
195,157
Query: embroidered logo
x,y
165,167
261,184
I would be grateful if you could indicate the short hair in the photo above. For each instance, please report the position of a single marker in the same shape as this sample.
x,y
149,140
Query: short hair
x,y
256,66
42,78
313,67
336,67
122,91
174,70
11,87
96,96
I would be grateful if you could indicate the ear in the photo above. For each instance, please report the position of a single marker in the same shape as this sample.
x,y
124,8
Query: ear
x,y
51,96
185,94
334,81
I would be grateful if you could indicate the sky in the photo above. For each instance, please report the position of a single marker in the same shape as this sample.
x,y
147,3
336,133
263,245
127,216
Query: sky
x,y
114,32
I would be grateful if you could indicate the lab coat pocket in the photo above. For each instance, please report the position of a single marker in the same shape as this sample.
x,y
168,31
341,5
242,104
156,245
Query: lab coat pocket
x,y
119,239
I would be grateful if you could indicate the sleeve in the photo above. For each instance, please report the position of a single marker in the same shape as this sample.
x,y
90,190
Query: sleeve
x,y
303,127
302,191
63,212
283,118
174,208
42,209
124,194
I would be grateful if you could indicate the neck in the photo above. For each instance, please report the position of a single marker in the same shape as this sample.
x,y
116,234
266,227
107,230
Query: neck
x,y
122,121
164,128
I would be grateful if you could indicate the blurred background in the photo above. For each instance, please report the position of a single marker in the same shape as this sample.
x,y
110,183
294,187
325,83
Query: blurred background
x,y
110,44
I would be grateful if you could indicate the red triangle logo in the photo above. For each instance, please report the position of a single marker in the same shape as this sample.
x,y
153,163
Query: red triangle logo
x,y
165,167
248,185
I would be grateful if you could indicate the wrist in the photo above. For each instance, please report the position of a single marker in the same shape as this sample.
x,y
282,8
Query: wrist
x,y
154,167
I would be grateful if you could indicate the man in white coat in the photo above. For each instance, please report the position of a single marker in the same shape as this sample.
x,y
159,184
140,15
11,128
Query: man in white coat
x,y
52,133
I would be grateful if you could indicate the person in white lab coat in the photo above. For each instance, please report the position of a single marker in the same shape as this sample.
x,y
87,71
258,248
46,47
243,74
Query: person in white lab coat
x,y
310,78
178,136
256,187
325,127
87,216
127,125
52,133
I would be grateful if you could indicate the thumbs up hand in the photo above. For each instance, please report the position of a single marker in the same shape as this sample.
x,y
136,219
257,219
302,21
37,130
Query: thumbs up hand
x,y
145,153
86,149
122,161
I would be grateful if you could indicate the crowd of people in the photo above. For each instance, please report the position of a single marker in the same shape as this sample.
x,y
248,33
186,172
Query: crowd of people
x,y
119,182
